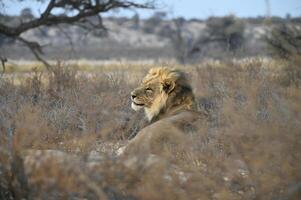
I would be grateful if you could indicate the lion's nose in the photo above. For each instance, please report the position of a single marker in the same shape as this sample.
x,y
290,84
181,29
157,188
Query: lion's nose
x,y
133,96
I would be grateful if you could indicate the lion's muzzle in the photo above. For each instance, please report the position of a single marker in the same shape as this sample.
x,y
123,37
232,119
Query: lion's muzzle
x,y
136,105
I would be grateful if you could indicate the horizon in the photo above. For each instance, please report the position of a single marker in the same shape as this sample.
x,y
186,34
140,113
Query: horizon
x,y
189,8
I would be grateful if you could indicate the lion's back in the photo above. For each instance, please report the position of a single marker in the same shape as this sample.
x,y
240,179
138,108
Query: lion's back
x,y
167,134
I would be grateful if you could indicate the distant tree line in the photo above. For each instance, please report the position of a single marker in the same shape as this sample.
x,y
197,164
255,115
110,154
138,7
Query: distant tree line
x,y
221,35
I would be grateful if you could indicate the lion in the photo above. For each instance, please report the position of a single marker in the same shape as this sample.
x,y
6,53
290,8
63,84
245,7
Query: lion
x,y
169,104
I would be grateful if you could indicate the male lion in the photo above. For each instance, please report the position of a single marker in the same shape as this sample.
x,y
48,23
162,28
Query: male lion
x,y
169,104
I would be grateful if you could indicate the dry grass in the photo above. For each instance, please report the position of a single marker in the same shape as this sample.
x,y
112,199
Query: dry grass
x,y
60,132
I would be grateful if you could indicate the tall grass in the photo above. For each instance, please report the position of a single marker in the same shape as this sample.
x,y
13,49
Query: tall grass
x,y
60,132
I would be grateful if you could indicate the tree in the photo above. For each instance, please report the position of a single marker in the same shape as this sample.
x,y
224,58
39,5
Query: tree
x,y
26,13
181,40
228,31
136,21
284,42
83,13
153,22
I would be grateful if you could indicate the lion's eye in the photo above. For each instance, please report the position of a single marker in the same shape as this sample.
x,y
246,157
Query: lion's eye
x,y
148,89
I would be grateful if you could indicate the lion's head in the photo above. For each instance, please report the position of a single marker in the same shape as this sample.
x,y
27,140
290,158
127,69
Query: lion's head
x,y
163,91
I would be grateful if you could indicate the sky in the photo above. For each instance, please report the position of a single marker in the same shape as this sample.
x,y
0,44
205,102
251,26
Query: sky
x,y
190,8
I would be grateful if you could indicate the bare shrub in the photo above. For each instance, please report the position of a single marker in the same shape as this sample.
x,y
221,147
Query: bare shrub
x,y
291,74
62,76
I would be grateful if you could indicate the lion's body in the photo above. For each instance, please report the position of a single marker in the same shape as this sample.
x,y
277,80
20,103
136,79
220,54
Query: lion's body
x,y
166,135
169,104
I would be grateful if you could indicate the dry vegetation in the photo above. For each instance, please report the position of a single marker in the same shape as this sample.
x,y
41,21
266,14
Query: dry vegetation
x,y
60,132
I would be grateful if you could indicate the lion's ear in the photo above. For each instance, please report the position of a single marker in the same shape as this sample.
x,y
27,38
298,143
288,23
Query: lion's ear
x,y
168,86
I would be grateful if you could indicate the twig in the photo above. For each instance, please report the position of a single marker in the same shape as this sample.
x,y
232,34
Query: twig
x,y
3,61
36,49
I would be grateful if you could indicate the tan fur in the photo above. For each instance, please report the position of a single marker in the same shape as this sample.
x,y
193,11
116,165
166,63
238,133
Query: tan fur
x,y
167,136
158,103
170,108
